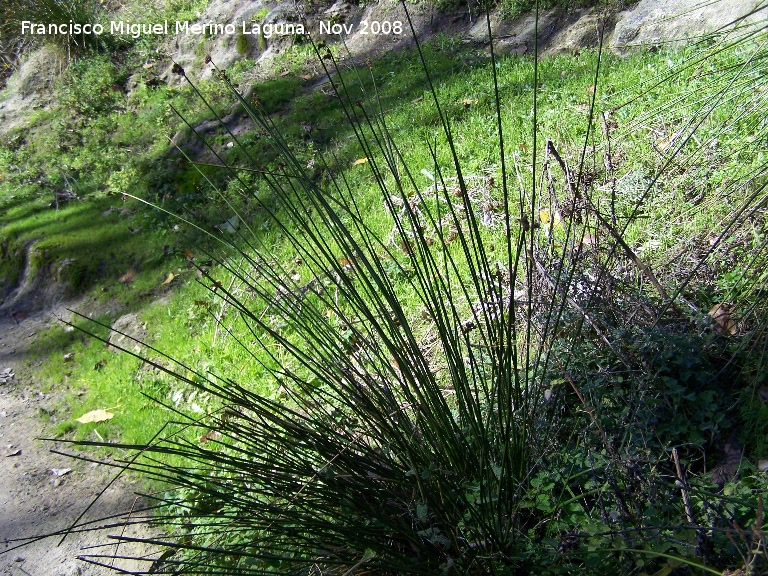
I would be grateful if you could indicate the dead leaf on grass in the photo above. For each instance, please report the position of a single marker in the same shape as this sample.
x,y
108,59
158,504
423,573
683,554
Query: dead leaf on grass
x,y
548,219
128,276
724,322
99,415
169,278
60,471
212,435
360,161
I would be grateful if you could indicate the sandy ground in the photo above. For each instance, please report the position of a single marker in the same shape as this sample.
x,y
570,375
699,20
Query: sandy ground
x,y
36,496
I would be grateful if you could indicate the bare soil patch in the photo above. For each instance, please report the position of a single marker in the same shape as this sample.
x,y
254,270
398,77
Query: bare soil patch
x,y
45,493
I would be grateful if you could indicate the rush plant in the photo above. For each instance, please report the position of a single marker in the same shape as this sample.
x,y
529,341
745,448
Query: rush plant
x,y
465,381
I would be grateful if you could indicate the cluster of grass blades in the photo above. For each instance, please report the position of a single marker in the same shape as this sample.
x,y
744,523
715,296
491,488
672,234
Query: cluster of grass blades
x,y
468,387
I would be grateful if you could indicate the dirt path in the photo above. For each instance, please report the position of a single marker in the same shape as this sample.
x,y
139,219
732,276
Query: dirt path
x,y
37,493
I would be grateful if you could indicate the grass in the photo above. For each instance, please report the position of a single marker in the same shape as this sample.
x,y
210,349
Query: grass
x,y
673,400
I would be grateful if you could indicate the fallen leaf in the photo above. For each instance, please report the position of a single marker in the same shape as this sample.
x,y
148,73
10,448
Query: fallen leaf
x,y
306,76
360,161
68,356
212,435
169,278
147,66
468,101
230,225
724,323
551,219
95,416
188,254
668,141
128,276
60,471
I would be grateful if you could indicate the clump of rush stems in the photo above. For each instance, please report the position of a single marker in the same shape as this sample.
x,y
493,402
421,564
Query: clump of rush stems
x,y
413,429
